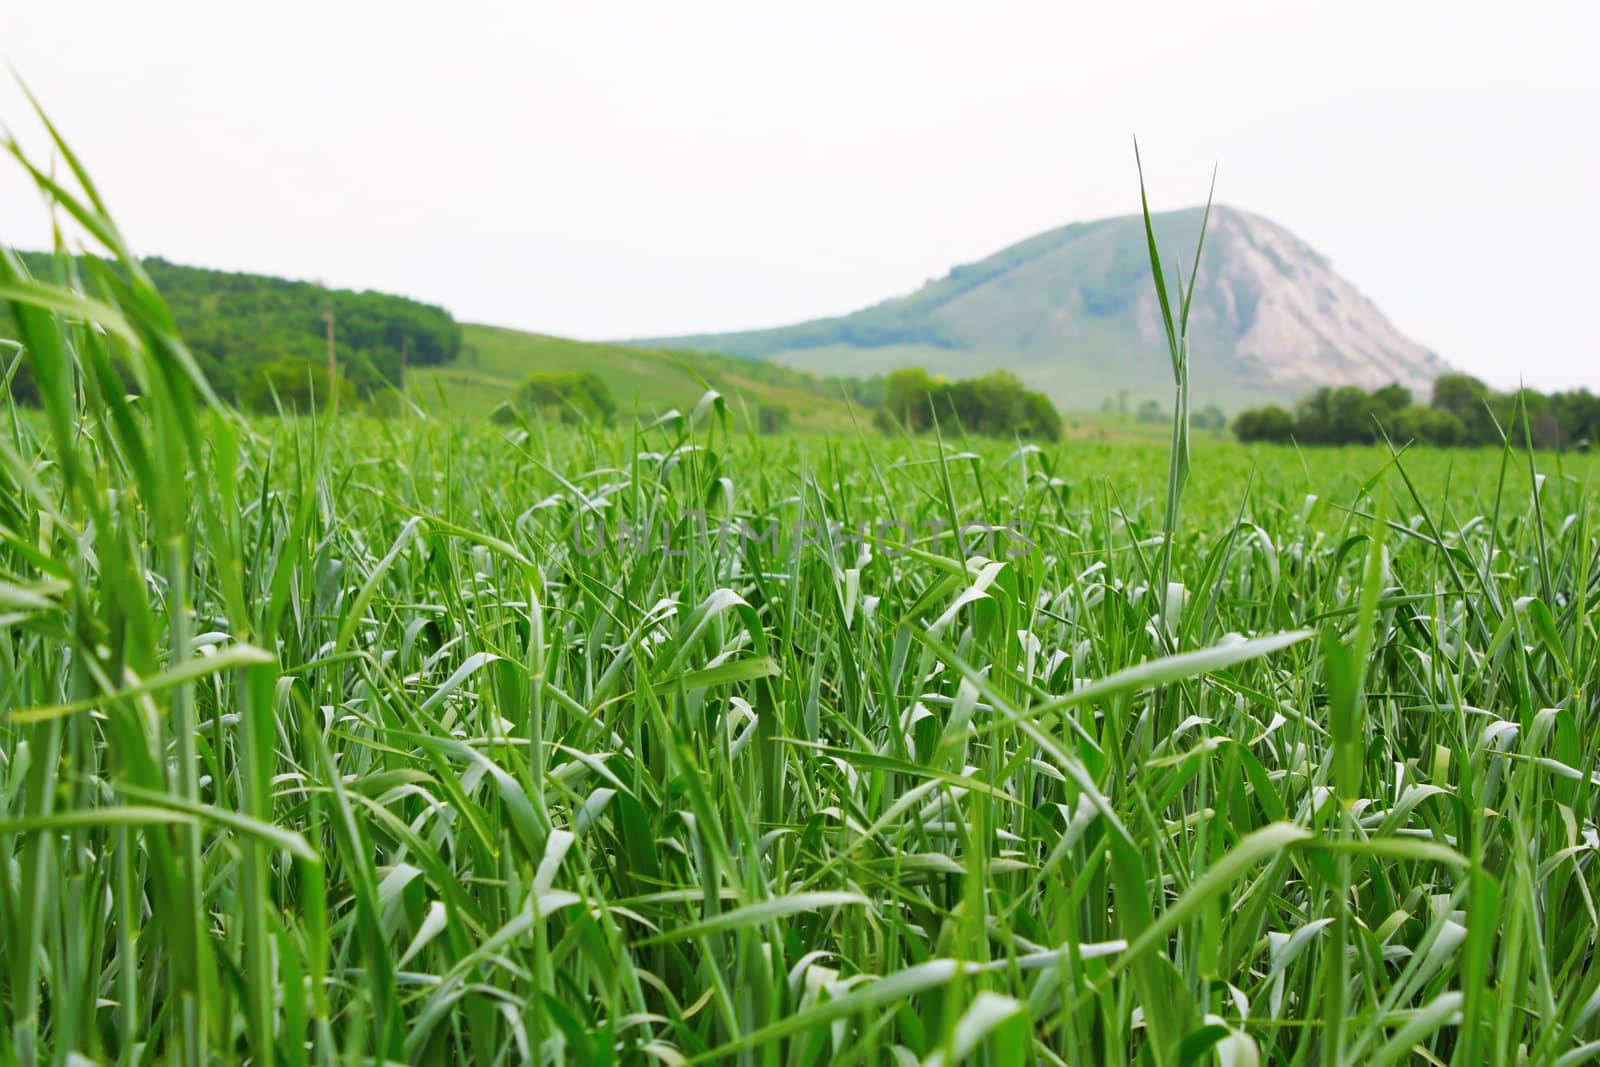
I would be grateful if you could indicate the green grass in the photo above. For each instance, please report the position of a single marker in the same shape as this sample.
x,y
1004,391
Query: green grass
x,y
495,361
344,741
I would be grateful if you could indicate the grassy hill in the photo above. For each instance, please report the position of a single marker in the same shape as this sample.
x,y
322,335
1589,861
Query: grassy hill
x,y
494,361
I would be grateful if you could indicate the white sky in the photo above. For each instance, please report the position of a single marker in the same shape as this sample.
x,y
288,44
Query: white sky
x,y
627,169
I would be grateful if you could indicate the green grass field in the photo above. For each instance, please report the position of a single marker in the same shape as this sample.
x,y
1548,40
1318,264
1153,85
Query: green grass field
x,y
427,741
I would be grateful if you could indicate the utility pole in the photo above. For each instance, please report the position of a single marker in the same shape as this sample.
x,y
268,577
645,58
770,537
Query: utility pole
x,y
333,366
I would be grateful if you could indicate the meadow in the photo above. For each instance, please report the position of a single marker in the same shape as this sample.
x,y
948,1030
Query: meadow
x,y
428,740
495,361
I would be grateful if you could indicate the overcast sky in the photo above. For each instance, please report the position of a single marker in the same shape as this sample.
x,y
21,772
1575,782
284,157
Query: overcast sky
x,y
628,169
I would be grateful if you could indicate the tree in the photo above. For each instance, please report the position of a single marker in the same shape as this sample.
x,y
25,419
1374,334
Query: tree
x,y
1578,415
906,393
1459,394
1467,399
1313,418
1391,399
1272,424
1543,425
1352,413
1429,426
1041,417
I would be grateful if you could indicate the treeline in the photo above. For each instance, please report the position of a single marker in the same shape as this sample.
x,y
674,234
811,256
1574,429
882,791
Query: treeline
x,y
1461,411
995,405
256,335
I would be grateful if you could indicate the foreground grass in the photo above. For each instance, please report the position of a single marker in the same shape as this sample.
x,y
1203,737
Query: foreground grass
x,y
501,788
355,741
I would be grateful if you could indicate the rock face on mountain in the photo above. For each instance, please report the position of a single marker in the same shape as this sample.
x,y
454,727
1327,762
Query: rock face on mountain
x,y
1073,312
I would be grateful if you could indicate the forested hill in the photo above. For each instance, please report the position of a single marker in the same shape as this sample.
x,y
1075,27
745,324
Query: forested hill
x,y
239,324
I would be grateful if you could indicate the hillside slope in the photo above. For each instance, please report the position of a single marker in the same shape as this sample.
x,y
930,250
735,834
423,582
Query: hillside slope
x,y
495,360
238,323
1073,312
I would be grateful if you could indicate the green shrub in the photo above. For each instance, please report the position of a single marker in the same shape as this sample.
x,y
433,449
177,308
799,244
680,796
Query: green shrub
x,y
574,396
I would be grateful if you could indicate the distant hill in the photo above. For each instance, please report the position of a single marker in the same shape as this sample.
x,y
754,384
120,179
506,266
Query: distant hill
x,y
1074,313
237,323
494,361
